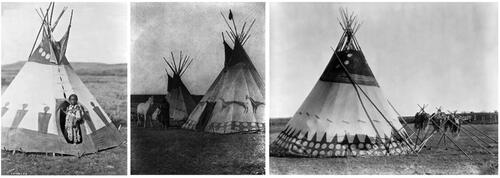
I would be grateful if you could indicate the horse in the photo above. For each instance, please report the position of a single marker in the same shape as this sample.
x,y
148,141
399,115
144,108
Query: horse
x,y
161,115
155,115
438,120
142,110
421,119
453,124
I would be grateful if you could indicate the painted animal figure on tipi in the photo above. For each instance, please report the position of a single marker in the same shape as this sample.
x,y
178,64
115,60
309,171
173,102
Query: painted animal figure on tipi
x,y
255,104
225,104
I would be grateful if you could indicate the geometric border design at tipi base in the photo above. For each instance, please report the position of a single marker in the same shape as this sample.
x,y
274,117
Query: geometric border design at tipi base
x,y
230,127
291,143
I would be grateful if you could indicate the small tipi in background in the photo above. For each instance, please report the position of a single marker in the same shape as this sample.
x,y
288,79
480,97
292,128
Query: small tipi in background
x,y
179,98
234,103
32,117
345,114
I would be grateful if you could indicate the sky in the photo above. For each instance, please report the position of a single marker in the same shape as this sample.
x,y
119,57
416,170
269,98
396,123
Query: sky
x,y
441,54
99,31
194,28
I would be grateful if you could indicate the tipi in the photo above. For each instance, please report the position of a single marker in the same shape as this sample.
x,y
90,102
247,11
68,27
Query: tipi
x,y
345,114
234,103
32,117
179,98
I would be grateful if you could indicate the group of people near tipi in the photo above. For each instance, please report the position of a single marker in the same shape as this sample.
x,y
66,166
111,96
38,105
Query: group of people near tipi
x,y
234,102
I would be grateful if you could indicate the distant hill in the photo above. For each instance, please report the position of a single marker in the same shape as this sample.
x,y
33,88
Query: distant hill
x,y
9,71
81,68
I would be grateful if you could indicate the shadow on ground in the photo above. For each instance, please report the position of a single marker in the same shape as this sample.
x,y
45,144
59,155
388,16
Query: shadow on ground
x,y
178,151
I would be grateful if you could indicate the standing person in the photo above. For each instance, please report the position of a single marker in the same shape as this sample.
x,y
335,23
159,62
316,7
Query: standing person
x,y
74,114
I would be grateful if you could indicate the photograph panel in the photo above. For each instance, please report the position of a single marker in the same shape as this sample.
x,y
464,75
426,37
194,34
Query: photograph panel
x,y
64,88
197,90
383,88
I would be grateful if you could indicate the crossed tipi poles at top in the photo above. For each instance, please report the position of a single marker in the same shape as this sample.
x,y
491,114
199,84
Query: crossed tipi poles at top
x,y
179,68
243,35
47,28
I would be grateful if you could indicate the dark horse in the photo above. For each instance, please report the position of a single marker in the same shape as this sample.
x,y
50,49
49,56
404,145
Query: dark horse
x,y
453,123
421,119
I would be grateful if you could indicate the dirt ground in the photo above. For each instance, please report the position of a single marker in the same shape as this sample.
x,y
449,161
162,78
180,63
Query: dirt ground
x,y
178,151
442,160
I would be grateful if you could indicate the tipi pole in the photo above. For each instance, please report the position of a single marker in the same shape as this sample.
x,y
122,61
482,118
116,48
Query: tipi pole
x,y
451,140
440,139
227,23
418,135
51,14
366,95
360,100
404,121
39,31
483,134
424,142
471,135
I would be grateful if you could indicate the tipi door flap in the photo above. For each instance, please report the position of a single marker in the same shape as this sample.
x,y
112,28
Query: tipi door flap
x,y
61,119
205,116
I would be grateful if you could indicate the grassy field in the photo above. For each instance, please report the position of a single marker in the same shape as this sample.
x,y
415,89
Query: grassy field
x,y
177,151
433,161
107,162
108,83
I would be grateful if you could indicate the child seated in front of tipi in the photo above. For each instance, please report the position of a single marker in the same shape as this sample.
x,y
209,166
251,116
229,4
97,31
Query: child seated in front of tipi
x,y
74,113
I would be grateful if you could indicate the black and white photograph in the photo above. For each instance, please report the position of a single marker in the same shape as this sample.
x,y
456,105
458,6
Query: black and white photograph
x,y
383,88
197,88
64,88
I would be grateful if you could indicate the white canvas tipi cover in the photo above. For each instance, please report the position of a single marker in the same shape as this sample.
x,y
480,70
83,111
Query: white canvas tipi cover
x,y
345,114
32,120
234,103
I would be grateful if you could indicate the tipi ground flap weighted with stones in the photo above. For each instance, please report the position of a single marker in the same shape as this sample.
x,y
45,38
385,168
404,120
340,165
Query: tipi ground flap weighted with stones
x,y
179,98
345,114
234,103
32,117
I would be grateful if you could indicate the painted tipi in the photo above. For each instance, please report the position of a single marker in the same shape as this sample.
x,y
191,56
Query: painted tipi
x,y
234,103
345,114
178,96
32,117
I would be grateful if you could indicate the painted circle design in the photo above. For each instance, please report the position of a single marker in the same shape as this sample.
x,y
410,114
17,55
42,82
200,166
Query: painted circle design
x,y
331,146
322,153
323,146
361,146
337,153
368,146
